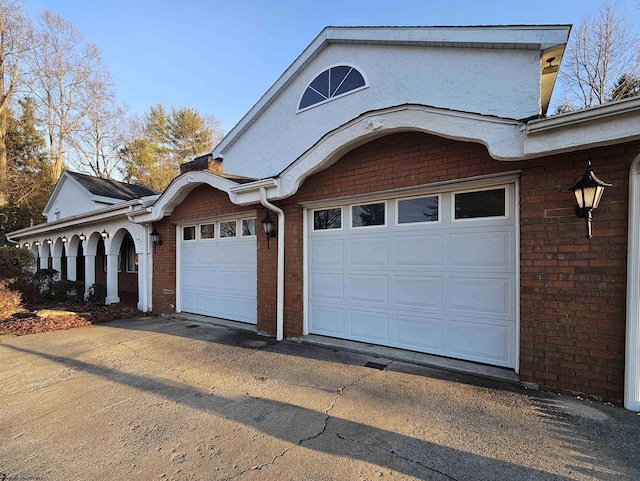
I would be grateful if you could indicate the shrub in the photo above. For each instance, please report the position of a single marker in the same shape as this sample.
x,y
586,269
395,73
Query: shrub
x,y
13,262
10,301
97,293
44,280
64,290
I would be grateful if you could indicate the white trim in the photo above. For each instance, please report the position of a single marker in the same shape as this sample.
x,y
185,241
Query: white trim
x,y
632,345
306,214
516,211
178,268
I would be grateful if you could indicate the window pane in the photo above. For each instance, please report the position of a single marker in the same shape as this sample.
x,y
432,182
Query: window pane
x,y
321,84
327,219
207,231
353,81
228,229
248,227
189,233
483,203
424,209
338,74
310,97
368,214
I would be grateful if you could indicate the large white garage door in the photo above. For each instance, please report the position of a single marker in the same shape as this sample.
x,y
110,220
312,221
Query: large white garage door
x,y
434,273
217,269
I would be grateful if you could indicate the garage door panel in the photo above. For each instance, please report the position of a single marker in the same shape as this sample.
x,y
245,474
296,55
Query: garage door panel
x,y
328,320
486,249
327,252
369,288
418,291
418,251
368,252
327,286
481,295
369,325
446,287
419,333
480,342
231,307
189,255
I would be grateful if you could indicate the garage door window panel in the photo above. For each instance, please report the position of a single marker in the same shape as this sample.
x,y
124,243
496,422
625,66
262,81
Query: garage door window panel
x,y
189,233
480,204
248,227
207,231
327,219
368,215
418,210
228,229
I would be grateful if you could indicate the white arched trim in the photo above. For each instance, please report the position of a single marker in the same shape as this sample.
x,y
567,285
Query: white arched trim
x,y
632,357
179,189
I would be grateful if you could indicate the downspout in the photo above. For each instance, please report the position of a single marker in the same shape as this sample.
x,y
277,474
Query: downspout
x,y
280,288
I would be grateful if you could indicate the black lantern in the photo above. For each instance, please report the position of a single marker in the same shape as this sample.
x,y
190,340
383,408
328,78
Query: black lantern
x,y
64,239
269,230
82,236
104,234
588,192
49,241
155,239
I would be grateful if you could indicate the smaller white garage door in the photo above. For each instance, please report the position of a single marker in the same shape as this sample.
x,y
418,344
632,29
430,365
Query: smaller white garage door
x,y
434,273
217,269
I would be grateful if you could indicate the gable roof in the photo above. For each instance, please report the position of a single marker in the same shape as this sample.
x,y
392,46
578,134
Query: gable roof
x,y
549,40
111,188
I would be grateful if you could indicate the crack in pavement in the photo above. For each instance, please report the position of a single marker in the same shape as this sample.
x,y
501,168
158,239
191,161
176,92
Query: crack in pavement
x,y
340,392
397,454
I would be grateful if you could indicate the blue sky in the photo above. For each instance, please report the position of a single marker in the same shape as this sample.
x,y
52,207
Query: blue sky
x,y
221,56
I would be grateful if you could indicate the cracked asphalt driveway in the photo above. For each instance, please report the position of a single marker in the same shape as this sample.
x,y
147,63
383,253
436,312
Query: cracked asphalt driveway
x,y
154,398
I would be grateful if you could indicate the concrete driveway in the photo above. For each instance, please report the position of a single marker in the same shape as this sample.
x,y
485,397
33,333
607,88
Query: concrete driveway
x,y
157,398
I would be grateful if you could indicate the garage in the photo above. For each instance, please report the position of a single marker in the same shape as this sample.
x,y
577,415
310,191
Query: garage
x,y
217,268
432,271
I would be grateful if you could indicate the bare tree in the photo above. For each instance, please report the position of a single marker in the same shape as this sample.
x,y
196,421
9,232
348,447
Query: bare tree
x,y
68,75
15,41
602,50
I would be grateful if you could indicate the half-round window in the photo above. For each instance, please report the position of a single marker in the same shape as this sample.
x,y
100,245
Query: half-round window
x,y
331,83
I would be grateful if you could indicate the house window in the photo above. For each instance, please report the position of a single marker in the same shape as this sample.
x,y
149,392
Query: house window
x,y
207,231
324,219
189,233
480,203
248,227
368,215
131,257
228,229
331,83
418,209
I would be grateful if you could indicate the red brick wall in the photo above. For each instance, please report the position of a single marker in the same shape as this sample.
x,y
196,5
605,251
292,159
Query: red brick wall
x,y
204,201
572,290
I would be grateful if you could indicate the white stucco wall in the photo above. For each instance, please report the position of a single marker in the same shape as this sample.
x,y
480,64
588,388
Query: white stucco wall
x,y
71,199
502,83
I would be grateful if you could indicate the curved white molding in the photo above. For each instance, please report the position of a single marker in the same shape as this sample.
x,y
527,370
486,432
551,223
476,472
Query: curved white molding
x,y
503,138
178,190
632,355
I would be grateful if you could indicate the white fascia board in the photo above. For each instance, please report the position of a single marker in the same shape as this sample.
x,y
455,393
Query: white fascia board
x,y
248,194
607,124
82,219
505,37
177,191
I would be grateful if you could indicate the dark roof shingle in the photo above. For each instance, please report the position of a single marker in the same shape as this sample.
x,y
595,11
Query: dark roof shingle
x,y
111,188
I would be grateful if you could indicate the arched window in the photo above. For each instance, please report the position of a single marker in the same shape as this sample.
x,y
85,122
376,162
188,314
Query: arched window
x,y
331,83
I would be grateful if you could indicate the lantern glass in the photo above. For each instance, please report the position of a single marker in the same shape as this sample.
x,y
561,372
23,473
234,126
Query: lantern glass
x,y
267,225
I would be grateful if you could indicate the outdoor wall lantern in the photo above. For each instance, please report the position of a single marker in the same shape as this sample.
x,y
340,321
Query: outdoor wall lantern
x,y
36,243
155,239
17,246
64,239
82,236
49,241
588,192
267,225
104,234
27,245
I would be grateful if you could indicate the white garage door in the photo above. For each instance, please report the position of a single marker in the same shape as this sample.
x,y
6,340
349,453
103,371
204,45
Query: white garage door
x,y
217,273
434,273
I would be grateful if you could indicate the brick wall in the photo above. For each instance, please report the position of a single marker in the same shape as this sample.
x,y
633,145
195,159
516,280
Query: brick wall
x,y
203,202
572,290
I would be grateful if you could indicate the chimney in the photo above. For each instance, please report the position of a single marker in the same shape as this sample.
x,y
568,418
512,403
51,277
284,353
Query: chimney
x,y
204,162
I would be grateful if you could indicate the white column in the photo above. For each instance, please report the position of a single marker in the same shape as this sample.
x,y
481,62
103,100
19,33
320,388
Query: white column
x,y
57,265
44,262
72,274
112,279
89,273
632,355
142,284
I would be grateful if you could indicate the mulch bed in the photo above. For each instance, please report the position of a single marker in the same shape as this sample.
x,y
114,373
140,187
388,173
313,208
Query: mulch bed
x,y
45,318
